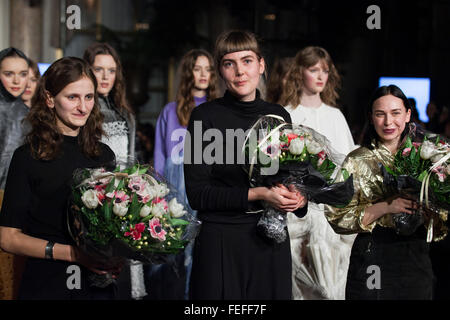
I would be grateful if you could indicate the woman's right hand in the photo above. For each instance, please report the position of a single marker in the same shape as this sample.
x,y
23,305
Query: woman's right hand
x,y
401,205
86,261
282,199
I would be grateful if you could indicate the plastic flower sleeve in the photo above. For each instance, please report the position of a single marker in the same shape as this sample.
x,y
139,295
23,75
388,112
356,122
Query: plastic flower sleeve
x,y
277,152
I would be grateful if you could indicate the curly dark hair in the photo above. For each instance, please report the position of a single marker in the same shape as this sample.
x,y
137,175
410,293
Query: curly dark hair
x,y
304,59
45,138
185,99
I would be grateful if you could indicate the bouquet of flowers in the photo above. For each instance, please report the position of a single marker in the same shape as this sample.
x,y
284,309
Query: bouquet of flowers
x,y
130,213
420,172
289,154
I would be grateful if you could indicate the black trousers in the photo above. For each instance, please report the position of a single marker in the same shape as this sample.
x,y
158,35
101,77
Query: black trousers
x,y
386,266
235,262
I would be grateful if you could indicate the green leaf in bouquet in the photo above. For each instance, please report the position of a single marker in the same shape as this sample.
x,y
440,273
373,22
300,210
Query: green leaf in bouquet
x,y
121,184
135,208
390,171
107,210
408,143
345,174
117,169
143,170
178,222
92,218
314,159
422,175
110,187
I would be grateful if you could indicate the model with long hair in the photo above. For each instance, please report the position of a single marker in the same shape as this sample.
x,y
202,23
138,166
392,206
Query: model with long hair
x,y
310,96
197,85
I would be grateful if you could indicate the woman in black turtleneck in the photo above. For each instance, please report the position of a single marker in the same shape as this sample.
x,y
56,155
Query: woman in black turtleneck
x,y
232,260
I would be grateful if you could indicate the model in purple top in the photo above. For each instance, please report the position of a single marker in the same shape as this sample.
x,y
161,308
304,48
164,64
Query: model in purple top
x,y
197,85
169,133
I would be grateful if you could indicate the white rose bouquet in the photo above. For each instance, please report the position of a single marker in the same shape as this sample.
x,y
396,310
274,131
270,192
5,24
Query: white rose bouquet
x,y
277,152
130,213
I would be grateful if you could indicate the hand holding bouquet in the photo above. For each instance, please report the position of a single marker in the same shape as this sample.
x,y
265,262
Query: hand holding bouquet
x,y
130,213
421,171
295,156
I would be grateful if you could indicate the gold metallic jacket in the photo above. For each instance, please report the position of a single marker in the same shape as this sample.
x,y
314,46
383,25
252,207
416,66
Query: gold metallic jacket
x,y
368,185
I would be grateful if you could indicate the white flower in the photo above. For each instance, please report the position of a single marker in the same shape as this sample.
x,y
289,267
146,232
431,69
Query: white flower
x,y
162,190
145,211
176,209
437,157
296,146
120,209
313,147
147,193
287,131
158,209
428,150
90,199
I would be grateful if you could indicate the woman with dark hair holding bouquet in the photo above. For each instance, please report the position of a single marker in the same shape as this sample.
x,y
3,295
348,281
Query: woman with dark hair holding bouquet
x,y
384,264
66,127
231,259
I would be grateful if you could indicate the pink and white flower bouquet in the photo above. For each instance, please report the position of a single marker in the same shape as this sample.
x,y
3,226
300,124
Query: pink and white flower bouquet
x,y
421,172
131,213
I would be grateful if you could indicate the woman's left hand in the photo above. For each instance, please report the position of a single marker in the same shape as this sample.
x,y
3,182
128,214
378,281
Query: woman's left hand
x,y
293,194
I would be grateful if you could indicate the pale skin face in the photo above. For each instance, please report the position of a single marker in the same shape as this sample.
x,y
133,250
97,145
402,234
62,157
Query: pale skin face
x,y
105,69
389,118
241,72
30,88
315,78
73,105
14,75
202,75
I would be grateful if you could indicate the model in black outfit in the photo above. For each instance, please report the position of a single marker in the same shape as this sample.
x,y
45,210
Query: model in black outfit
x,y
231,259
33,218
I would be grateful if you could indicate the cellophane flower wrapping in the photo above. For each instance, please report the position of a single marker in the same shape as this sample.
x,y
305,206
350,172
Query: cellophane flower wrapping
x,y
131,213
422,156
277,152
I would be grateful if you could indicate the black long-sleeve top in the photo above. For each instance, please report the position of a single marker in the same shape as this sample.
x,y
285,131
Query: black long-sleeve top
x,y
37,191
218,187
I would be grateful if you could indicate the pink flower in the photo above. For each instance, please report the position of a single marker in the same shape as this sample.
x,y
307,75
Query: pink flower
x,y
162,201
119,195
406,152
417,145
322,156
156,231
101,196
136,232
137,184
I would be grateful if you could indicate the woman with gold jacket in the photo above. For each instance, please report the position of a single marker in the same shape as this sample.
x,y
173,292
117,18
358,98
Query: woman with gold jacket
x,y
383,264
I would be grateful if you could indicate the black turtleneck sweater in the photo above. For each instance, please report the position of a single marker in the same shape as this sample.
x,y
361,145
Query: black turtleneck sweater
x,y
218,189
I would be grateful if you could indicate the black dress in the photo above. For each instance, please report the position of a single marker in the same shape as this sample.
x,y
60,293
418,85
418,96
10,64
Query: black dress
x,y
231,260
35,201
